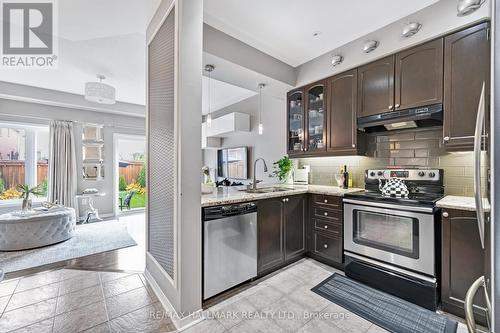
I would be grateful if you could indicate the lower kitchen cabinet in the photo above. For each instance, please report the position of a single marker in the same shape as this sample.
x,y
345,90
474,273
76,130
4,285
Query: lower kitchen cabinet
x,y
462,262
295,227
325,229
281,232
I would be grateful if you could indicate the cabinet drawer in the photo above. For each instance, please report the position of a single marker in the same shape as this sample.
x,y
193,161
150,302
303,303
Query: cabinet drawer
x,y
327,246
328,214
335,229
330,201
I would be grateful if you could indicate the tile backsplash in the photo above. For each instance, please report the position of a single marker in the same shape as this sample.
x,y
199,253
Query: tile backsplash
x,y
418,148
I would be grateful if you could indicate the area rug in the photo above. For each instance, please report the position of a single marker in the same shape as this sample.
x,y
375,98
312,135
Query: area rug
x,y
387,311
89,239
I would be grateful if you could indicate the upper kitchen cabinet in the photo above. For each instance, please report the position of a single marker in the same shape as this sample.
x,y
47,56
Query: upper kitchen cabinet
x,y
466,67
316,118
376,87
296,122
342,91
419,76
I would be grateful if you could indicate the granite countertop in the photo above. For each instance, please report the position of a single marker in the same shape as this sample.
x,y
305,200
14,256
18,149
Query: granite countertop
x,y
461,203
230,195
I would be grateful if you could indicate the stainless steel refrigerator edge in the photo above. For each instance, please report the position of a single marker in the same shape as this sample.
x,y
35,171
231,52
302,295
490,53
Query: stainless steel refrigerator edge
x,y
490,235
493,233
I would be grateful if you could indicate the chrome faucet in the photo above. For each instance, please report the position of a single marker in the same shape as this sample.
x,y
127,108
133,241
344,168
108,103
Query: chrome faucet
x,y
254,180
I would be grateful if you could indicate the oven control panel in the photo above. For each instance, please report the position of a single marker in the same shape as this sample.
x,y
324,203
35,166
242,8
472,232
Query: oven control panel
x,y
407,174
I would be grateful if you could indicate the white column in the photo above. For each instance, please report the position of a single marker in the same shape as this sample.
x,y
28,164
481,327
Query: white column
x,y
182,294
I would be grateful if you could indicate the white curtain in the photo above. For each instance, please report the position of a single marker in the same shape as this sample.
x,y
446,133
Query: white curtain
x,y
62,163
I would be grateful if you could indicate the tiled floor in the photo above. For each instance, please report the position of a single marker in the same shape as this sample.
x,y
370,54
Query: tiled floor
x,y
69,300
285,303
73,300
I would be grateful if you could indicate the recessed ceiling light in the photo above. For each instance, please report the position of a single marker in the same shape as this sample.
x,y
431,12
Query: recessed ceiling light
x,y
410,29
337,60
466,7
370,46
317,34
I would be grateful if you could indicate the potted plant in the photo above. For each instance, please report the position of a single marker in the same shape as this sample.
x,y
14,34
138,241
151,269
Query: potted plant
x,y
26,192
283,169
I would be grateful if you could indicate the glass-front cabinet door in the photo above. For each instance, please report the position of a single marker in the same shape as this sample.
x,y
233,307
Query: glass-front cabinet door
x,y
316,118
296,123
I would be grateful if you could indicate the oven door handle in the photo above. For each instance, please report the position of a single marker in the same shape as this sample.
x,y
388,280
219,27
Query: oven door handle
x,y
390,206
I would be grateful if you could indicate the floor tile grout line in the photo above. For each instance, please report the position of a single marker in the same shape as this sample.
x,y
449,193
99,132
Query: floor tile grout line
x,y
55,308
105,304
8,301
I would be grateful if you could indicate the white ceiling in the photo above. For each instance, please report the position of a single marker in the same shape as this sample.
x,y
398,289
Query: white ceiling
x,y
96,36
284,28
222,94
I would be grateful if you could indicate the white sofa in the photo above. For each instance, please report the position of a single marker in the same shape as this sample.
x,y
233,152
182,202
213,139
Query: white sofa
x,y
21,231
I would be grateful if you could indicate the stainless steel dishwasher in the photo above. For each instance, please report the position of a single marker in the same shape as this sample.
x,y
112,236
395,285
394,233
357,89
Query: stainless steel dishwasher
x,y
229,246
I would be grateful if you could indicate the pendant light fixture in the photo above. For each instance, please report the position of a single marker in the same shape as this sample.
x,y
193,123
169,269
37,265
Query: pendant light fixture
x,y
99,92
261,126
209,69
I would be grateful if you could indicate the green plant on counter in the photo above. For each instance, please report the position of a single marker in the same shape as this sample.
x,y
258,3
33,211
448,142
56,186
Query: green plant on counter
x,y
283,168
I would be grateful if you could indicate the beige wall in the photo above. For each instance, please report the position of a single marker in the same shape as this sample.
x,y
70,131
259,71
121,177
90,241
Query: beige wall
x,y
420,148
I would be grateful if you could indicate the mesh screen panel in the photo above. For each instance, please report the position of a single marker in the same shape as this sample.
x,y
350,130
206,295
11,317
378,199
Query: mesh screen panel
x,y
161,157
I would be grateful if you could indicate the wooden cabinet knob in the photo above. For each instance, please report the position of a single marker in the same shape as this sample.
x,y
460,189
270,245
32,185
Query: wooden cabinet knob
x,y
390,107
326,201
397,106
325,213
445,214
326,227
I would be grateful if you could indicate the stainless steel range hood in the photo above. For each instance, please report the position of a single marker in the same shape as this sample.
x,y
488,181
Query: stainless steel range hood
x,y
427,116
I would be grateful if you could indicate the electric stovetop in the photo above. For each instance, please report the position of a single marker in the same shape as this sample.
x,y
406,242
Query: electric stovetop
x,y
413,199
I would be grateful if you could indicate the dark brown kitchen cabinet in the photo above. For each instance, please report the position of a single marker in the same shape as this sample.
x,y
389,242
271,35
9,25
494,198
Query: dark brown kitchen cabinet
x,y
462,262
296,122
281,232
270,224
376,87
419,76
325,230
316,118
342,92
466,67
295,227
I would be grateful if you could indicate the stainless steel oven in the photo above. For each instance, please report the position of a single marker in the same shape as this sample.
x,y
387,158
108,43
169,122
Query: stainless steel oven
x,y
398,235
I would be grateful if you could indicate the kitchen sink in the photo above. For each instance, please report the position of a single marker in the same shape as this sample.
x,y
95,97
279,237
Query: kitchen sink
x,y
267,189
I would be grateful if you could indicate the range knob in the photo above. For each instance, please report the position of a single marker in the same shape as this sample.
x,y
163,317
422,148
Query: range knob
x,y
432,174
380,173
421,173
372,173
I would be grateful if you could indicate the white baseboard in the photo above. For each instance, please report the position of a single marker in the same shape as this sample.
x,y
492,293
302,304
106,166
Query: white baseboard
x,y
181,323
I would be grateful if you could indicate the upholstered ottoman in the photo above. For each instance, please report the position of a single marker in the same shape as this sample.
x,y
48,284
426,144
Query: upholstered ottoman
x,y
35,229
